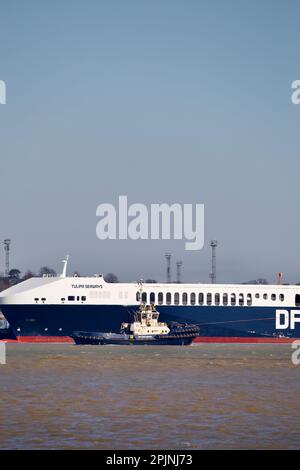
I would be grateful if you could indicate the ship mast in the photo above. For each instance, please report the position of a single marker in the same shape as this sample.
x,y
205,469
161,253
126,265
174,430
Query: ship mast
x,y
65,264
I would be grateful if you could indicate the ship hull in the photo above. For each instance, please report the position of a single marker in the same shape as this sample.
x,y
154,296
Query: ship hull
x,y
6,334
56,323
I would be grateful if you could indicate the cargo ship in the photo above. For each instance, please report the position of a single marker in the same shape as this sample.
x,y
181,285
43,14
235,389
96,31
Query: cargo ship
x,y
51,309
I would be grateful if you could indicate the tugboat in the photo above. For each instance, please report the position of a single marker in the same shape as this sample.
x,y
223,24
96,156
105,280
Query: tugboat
x,y
144,330
5,331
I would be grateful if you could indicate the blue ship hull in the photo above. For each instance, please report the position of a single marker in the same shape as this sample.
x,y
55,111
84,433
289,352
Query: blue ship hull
x,y
6,333
214,321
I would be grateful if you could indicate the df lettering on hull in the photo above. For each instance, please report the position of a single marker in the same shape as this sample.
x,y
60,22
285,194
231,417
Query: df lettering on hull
x,y
286,319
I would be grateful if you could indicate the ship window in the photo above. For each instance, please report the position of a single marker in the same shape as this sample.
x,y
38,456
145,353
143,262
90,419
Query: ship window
x,y
193,298
241,299
43,299
137,296
200,298
297,300
168,298
152,298
184,298
257,296
208,299
281,297
217,299
225,299
273,296
144,297
176,298
249,299
265,296
233,299
62,299
83,298
71,297
160,298
36,299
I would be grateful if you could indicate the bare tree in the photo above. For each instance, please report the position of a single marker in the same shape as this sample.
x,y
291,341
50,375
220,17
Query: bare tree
x,y
47,271
110,277
28,275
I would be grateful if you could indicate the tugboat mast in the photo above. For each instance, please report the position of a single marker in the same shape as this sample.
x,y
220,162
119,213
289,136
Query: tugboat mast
x,y
141,288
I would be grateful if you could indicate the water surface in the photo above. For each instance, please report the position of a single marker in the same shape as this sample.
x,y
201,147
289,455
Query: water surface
x,y
122,397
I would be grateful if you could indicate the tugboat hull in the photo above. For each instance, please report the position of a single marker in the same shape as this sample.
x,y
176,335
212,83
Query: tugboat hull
x,y
96,338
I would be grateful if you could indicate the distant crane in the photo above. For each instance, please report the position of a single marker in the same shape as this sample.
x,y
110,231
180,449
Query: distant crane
x,y
168,258
213,274
7,242
178,264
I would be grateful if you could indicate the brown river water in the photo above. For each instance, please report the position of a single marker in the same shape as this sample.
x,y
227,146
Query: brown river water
x,y
202,396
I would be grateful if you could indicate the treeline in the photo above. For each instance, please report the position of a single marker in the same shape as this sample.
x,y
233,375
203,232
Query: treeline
x,y
15,276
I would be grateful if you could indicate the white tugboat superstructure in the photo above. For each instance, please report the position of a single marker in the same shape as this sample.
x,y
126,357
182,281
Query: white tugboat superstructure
x,y
146,322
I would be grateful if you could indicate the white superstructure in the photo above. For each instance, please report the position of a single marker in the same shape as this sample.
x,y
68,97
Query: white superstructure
x,y
95,291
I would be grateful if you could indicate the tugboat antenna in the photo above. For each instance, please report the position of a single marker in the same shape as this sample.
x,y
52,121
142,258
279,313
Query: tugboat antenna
x,y
140,284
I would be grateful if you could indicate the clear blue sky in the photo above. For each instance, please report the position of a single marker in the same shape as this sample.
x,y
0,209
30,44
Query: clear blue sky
x,y
165,101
